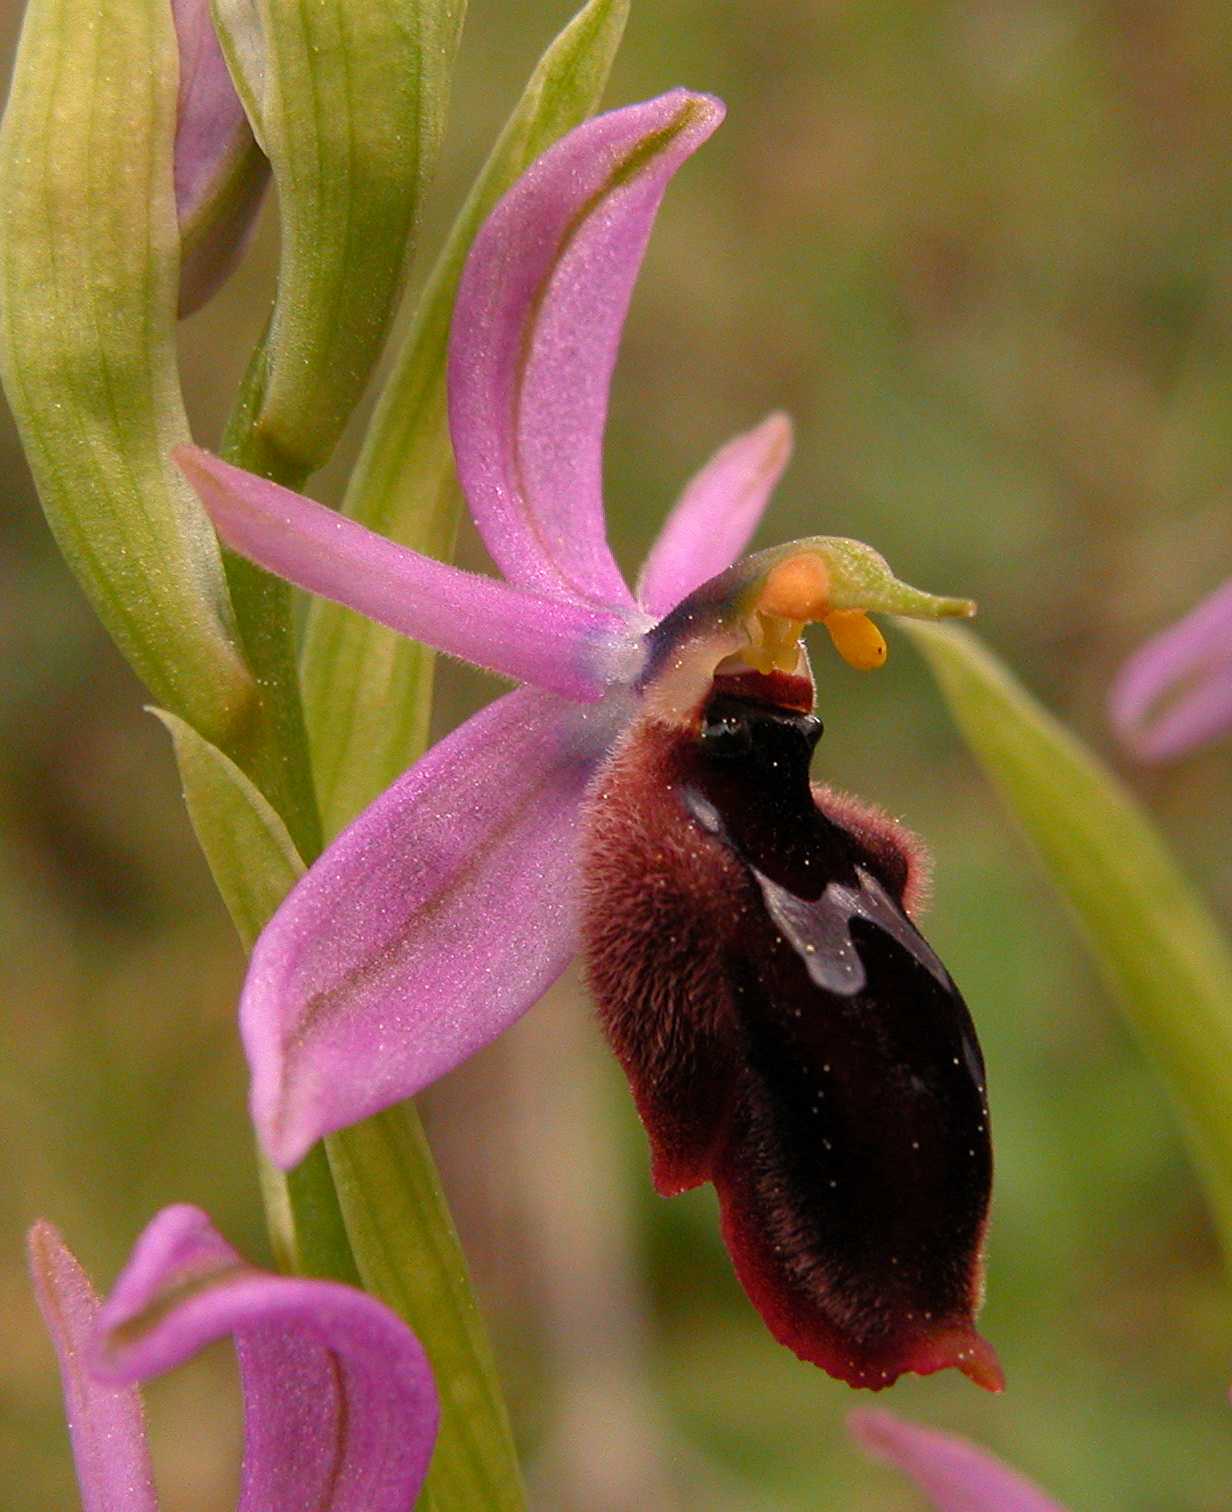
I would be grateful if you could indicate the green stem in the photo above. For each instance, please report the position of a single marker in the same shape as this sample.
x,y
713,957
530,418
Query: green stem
x,y
302,1213
307,1234
276,754
407,1248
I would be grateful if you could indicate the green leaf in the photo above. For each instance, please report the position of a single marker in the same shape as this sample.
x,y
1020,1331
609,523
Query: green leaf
x,y
1154,941
408,1254
241,33
89,270
367,690
246,844
255,865
348,99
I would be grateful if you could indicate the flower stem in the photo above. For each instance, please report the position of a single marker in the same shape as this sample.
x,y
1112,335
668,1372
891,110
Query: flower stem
x,y
407,1249
277,756
307,1234
305,1224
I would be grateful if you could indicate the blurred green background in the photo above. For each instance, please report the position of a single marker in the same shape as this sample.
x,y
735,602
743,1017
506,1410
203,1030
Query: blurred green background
x,y
982,253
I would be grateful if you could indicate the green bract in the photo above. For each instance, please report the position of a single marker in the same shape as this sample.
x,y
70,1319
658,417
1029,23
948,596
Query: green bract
x,y
1156,944
368,691
89,269
348,101
250,854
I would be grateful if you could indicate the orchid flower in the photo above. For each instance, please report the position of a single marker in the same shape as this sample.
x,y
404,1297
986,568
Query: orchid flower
x,y
788,1034
954,1474
339,1408
1175,693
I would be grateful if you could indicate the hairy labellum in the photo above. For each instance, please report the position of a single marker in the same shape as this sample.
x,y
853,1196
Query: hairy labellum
x,y
790,1036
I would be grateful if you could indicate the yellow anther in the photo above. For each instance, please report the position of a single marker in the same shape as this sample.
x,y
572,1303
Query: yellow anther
x,y
796,589
856,639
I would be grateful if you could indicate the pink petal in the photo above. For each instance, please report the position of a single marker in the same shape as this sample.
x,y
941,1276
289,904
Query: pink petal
x,y
427,928
716,516
340,1412
219,173
105,1422
952,1473
536,327
1175,693
569,648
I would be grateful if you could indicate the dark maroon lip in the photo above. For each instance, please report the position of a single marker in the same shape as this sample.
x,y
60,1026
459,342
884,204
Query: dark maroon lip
x,y
790,1036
